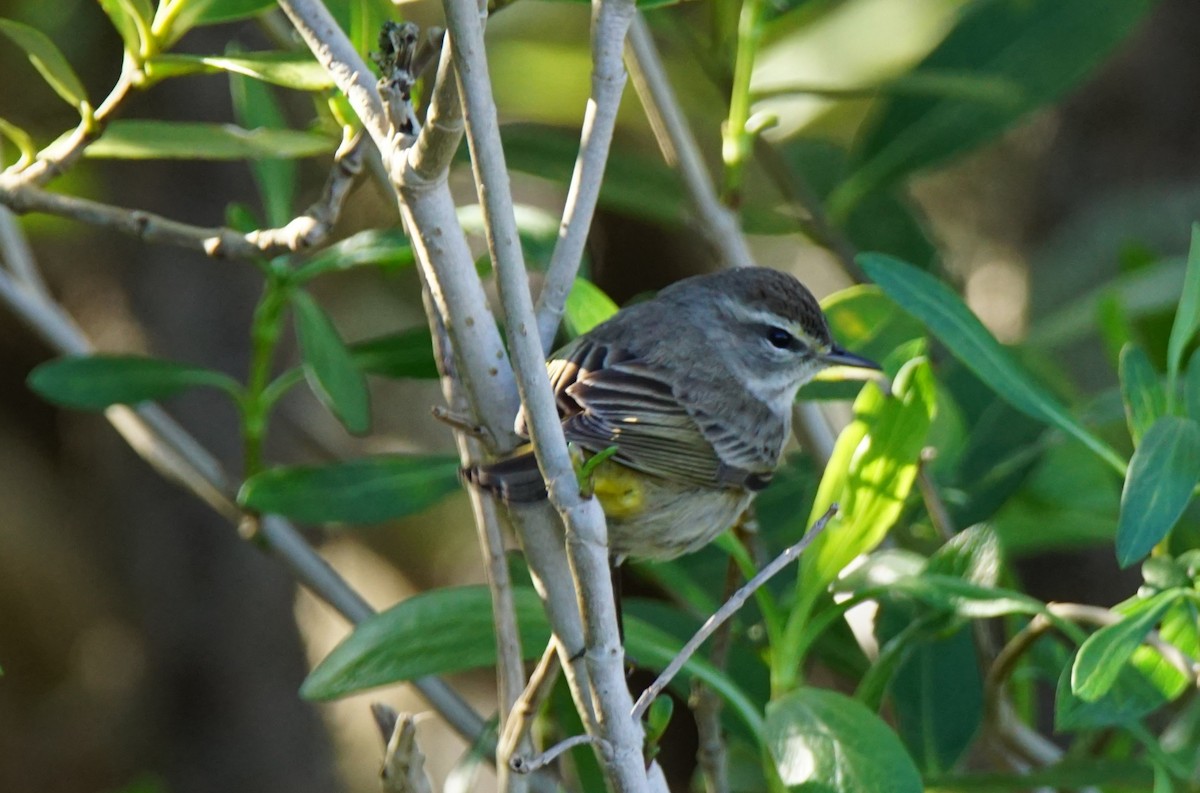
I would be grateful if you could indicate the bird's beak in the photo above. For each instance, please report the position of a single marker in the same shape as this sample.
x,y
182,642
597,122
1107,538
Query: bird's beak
x,y
838,356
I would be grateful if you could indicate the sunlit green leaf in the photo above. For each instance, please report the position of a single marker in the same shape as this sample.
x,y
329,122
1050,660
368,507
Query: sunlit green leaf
x,y
22,140
587,306
285,69
1187,318
1109,649
49,62
95,382
366,490
1131,697
1039,47
869,479
1145,401
949,319
1162,474
824,741
329,367
186,14
132,19
1191,387
150,140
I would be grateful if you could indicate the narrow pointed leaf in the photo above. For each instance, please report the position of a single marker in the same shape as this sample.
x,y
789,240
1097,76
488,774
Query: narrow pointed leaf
x,y
822,741
587,306
407,354
255,107
131,18
1162,474
433,633
367,490
285,69
1191,387
95,382
329,367
953,324
1145,401
1108,650
387,248
47,59
1187,317
136,139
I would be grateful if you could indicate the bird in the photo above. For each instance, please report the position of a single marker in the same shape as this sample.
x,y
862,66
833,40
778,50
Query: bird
x,y
690,395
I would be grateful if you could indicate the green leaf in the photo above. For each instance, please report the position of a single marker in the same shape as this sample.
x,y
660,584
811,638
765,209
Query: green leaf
x,y
1191,387
1108,650
825,742
367,490
255,107
328,366
22,140
407,354
1187,317
95,382
1145,401
587,306
49,62
433,633
949,319
1040,48
186,14
964,598
132,19
387,248
1162,474
1130,698
151,140
869,479
285,69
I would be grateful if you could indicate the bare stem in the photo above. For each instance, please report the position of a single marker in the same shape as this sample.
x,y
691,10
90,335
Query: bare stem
x,y
610,23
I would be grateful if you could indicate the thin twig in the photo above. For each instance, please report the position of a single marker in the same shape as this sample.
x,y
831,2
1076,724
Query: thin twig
x,y
730,608
524,710
403,762
718,224
610,24
527,765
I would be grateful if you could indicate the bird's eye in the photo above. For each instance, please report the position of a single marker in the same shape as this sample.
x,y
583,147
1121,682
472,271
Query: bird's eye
x,y
780,338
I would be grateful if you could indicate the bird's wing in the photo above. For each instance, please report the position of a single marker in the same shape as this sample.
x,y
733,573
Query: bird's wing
x,y
609,397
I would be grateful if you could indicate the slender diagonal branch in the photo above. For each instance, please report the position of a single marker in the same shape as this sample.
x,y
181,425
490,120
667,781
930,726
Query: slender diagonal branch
x,y
610,23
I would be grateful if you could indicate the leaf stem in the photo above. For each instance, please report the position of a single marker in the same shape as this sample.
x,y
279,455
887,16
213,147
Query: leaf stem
x,y
261,393
737,140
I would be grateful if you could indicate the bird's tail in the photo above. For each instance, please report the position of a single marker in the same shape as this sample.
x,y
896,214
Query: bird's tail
x,y
514,480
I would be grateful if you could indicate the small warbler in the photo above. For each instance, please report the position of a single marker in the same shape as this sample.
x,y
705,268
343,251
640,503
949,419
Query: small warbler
x,y
694,388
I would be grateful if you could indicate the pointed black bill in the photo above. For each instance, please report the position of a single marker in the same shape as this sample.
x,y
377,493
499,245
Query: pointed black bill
x,y
838,356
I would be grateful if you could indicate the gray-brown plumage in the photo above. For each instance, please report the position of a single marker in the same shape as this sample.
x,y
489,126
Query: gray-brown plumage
x,y
694,388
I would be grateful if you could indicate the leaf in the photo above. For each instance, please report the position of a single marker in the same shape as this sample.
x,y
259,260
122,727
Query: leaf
x,y
949,319
387,248
587,306
150,140
1191,387
186,14
1041,48
22,140
285,69
407,354
825,742
1187,317
1162,474
432,633
328,366
131,18
1131,697
49,62
366,490
255,107
870,473
1145,401
95,382
1107,651
964,598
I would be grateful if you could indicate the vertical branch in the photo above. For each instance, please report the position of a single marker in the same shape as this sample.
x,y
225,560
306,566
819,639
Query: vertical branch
x,y
586,535
610,23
